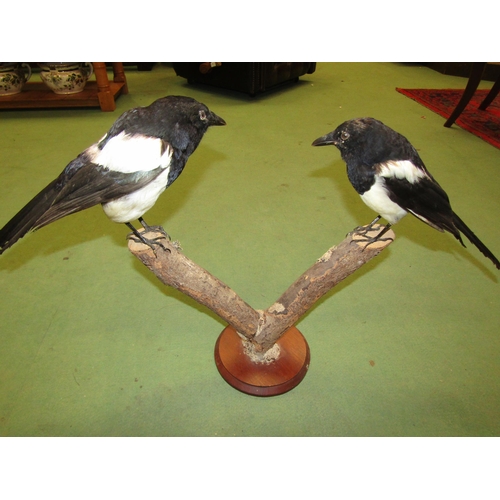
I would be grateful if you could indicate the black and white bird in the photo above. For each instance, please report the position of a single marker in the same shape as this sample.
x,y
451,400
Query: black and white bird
x,y
144,151
389,175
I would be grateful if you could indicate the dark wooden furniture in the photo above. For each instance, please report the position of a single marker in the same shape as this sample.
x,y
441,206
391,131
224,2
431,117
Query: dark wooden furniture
x,y
99,93
247,77
474,80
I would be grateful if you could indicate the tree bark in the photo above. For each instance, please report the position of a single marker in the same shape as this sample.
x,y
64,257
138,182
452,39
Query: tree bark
x,y
261,328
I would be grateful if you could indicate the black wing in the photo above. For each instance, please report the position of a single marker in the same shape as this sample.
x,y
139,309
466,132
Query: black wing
x,y
426,200
81,185
93,185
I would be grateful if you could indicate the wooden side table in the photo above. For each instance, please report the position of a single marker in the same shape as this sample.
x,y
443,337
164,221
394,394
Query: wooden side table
x,y
99,93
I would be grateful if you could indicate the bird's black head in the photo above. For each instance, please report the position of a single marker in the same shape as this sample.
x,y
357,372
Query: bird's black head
x,y
199,114
183,121
185,111
359,137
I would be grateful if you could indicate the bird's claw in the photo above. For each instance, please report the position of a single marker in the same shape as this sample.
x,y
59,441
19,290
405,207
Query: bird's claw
x,y
361,230
362,233
151,243
364,230
369,241
156,229
159,229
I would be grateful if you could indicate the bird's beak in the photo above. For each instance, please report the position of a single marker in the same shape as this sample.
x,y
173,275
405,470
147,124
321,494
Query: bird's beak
x,y
326,140
215,120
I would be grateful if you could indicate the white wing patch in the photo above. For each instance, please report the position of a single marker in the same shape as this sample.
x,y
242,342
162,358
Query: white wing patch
x,y
127,154
401,169
131,153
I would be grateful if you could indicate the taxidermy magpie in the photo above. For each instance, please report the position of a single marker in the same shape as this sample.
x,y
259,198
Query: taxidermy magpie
x,y
144,151
389,175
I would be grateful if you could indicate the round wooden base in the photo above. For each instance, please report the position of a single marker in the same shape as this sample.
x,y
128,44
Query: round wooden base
x,y
262,379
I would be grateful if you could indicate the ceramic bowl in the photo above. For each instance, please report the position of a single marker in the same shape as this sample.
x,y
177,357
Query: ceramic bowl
x,y
13,76
59,66
66,78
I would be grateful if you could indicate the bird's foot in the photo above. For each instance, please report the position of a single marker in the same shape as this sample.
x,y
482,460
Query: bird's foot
x,y
364,230
159,229
151,243
362,234
370,241
139,237
155,229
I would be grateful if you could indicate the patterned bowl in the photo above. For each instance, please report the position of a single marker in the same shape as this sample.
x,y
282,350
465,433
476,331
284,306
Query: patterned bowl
x,y
66,78
13,77
60,66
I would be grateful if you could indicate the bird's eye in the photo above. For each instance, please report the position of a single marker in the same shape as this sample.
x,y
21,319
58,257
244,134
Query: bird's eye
x,y
344,135
203,115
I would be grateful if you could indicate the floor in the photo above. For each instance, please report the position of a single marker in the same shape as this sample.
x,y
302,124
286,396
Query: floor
x,y
93,345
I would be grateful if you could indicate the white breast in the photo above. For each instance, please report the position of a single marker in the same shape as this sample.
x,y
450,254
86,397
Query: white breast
x,y
136,204
378,200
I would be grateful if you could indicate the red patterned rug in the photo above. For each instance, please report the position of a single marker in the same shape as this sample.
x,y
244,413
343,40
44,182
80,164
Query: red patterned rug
x,y
483,124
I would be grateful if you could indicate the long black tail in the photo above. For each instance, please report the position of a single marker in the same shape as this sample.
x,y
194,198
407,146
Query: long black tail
x,y
461,226
26,219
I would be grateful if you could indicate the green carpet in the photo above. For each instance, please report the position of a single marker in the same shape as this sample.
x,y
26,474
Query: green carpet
x,y
92,344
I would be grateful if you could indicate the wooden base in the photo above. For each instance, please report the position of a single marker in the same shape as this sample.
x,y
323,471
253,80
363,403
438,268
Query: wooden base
x,y
261,378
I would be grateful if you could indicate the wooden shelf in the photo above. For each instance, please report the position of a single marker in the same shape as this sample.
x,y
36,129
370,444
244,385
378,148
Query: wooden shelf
x,y
100,93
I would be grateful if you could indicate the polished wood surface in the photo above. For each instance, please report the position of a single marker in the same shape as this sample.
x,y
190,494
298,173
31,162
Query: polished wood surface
x,y
259,378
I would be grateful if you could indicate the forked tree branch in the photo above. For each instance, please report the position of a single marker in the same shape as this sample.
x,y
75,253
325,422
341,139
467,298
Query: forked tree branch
x,y
262,328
